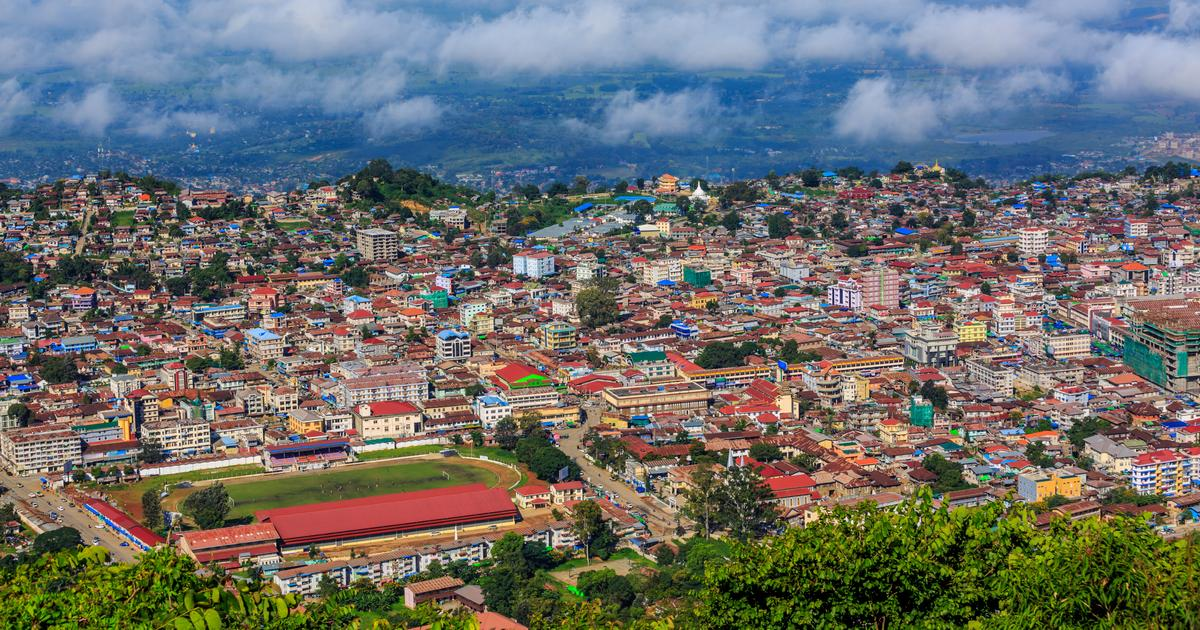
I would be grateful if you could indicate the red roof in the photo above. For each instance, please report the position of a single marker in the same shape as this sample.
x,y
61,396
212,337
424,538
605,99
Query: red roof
x,y
389,514
231,536
125,522
392,408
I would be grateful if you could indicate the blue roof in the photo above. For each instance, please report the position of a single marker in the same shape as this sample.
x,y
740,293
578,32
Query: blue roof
x,y
666,283
261,334
634,198
584,206
905,231
452,334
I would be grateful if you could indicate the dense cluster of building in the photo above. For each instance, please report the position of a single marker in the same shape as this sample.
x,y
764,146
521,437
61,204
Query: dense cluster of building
x,y
1041,337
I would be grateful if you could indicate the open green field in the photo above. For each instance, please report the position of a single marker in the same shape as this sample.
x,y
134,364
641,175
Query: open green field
x,y
124,218
253,495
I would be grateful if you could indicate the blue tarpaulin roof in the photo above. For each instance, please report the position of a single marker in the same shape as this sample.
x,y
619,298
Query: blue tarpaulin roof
x,y
905,231
584,206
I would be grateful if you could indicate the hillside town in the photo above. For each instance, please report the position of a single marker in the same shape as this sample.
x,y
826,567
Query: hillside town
x,y
659,359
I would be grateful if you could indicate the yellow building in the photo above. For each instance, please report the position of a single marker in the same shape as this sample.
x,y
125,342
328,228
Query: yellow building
x,y
704,298
303,423
557,336
1039,486
970,330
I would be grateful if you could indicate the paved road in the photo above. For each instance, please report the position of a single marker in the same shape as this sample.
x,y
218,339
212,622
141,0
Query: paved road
x,y
76,517
660,520
87,224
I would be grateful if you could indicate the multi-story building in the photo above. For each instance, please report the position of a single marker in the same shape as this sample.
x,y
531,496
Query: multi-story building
x,y
40,449
490,410
391,419
991,375
453,345
1067,345
557,336
179,436
930,347
1033,241
880,287
468,309
378,244
1039,486
970,330
533,264
369,389
653,363
1162,342
657,271
264,345
678,397
845,294
1166,472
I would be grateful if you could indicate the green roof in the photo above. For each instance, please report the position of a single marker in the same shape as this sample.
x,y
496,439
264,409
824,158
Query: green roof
x,y
99,426
650,356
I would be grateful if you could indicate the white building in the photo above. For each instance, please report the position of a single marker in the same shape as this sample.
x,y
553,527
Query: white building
x,y
1033,241
39,449
453,345
533,264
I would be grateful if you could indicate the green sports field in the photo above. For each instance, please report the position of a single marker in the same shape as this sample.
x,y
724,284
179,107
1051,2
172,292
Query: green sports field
x,y
319,486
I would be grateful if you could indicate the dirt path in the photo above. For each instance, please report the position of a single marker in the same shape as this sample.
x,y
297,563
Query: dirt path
x,y
571,576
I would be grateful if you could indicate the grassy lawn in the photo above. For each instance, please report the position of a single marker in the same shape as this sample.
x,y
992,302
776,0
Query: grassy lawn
x,y
124,218
293,225
492,453
199,475
350,484
620,554
404,451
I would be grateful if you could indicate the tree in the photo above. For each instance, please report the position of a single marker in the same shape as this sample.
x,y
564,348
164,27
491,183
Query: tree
x,y
61,539
208,506
597,307
231,359
1084,429
1036,454
20,414
57,370
968,218
477,438
721,354
152,451
731,221
902,168
506,433
915,565
152,513
701,500
607,586
810,177
985,288
747,510
765,452
779,225
935,394
950,476
591,529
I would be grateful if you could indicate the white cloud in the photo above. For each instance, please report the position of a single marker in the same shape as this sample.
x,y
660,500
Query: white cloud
x,y
660,115
94,112
158,124
881,109
1184,16
1143,67
14,102
998,37
608,34
841,41
403,116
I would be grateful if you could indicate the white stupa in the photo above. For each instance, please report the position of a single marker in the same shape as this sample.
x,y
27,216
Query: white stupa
x,y
698,194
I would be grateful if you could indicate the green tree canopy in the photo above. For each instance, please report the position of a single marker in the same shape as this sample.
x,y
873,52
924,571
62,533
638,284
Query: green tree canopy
x,y
208,506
